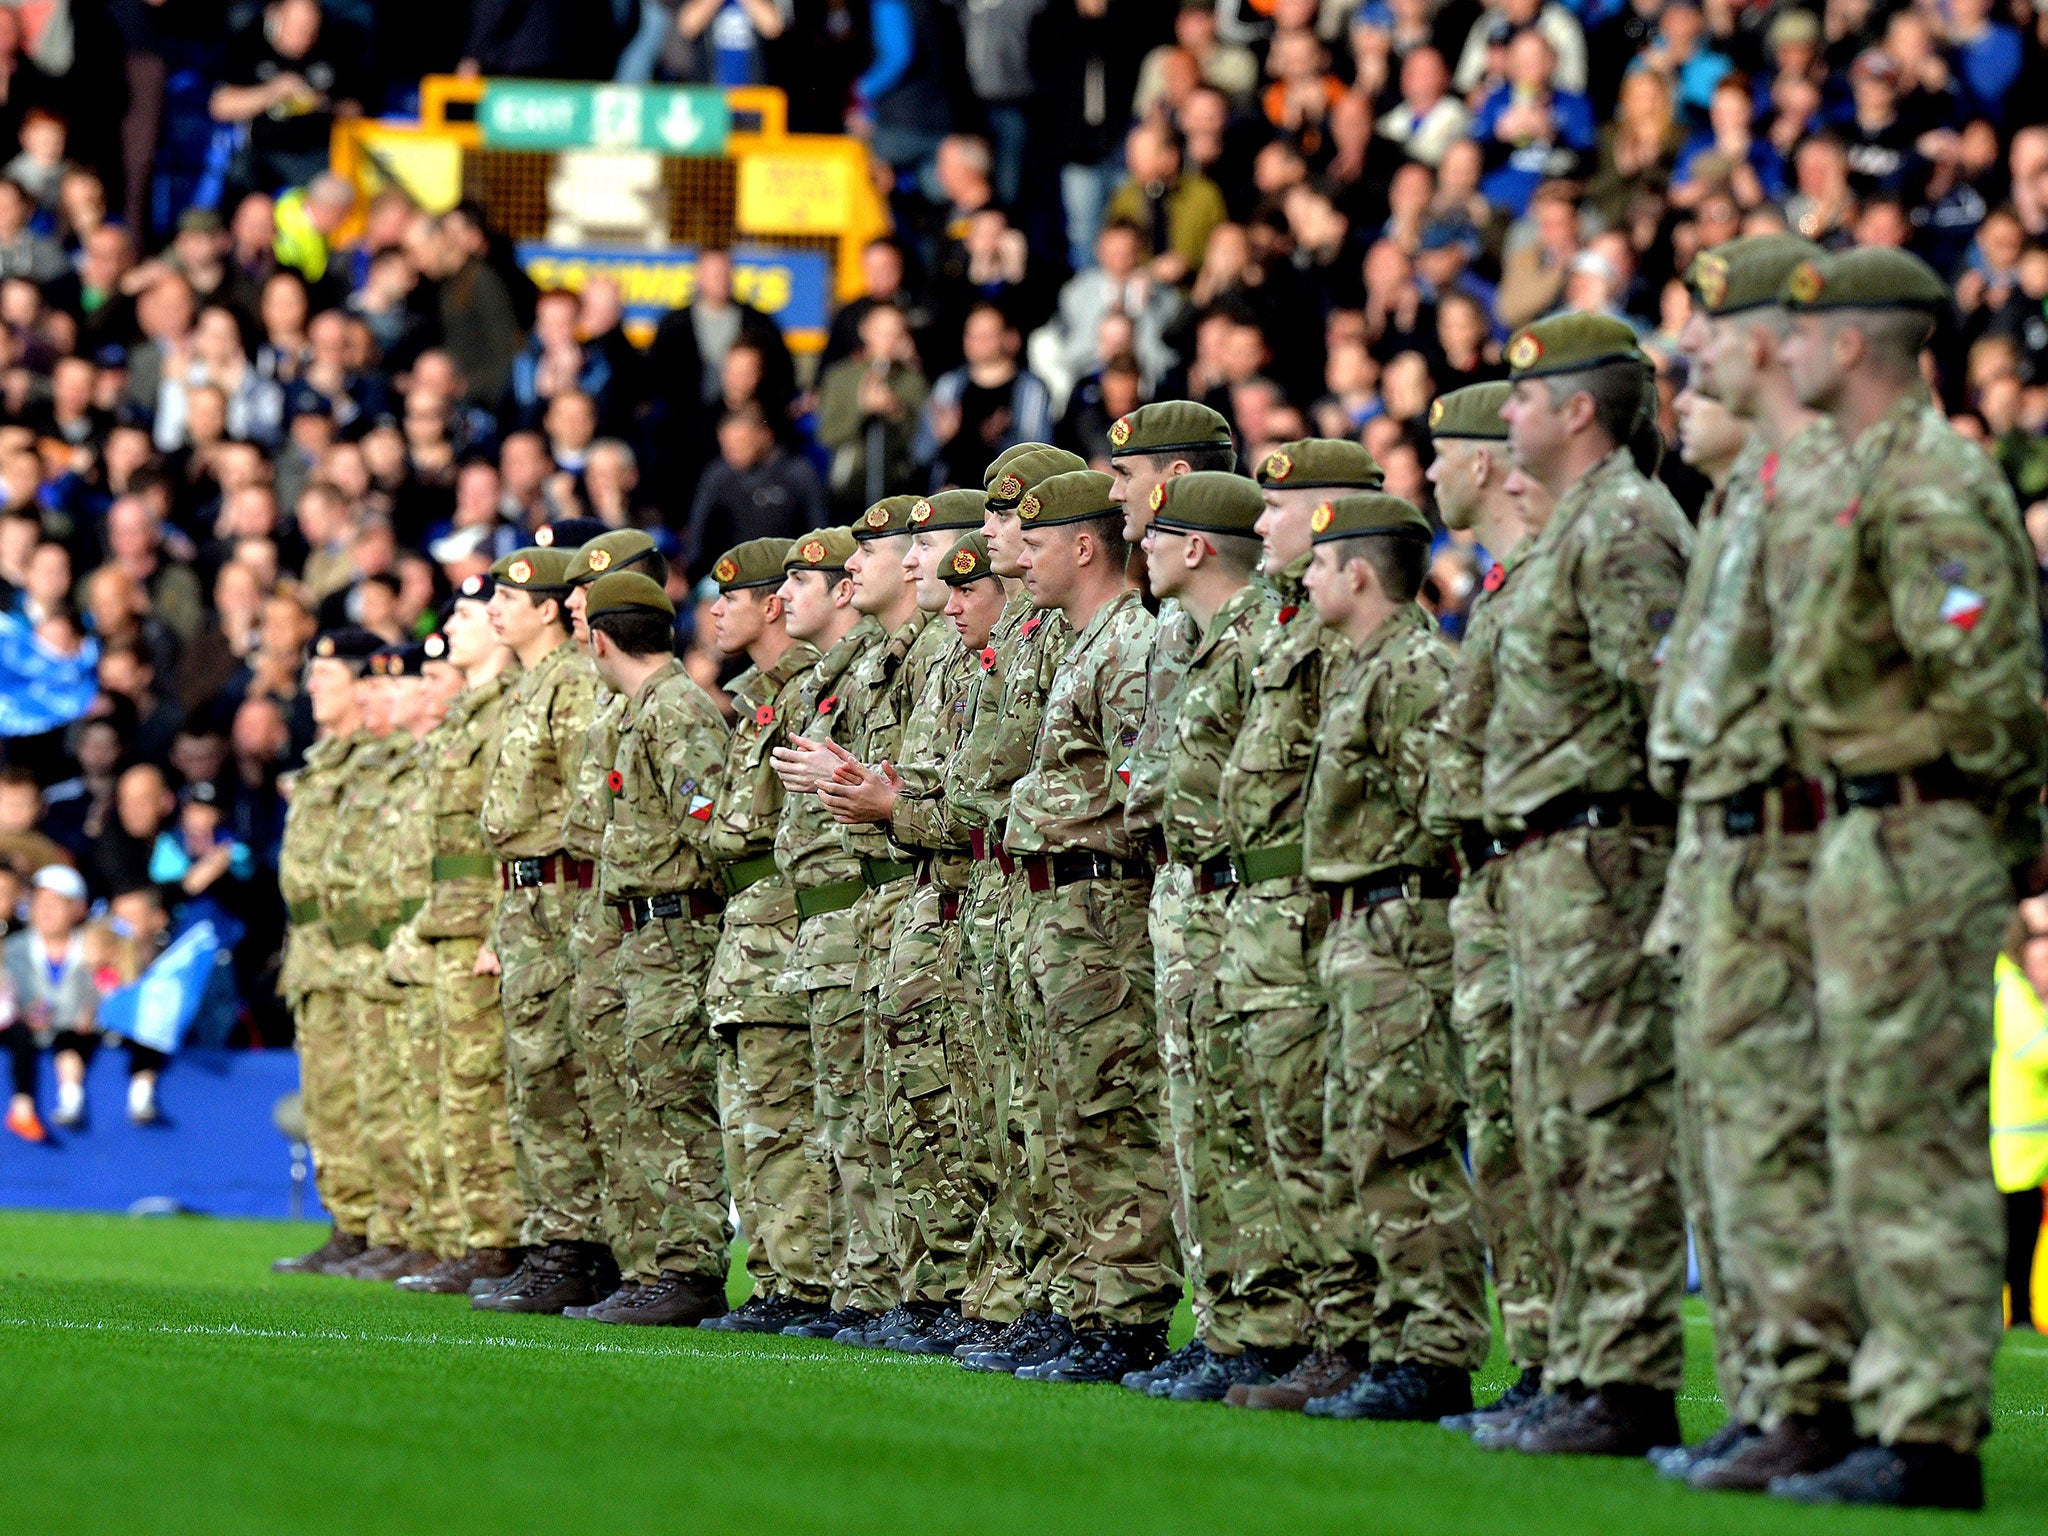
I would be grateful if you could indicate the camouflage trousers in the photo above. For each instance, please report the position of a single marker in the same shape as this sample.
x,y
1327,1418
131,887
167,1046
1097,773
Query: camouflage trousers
x,y
327,1089
630,1215
671,1141
399,1216
997,1253
768,1108
1394,1108
1764,1115
1226,1210
560,1174
476,1129
420,1095
1089,965
1907,907
1482,1017
860,1238
1598,1015
1271,995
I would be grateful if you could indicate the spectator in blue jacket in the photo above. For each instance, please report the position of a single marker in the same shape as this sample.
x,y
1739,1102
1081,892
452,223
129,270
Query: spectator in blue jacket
x,y
1531,132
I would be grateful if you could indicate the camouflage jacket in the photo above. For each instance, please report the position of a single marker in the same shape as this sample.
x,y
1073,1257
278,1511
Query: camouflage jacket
x,y
465,892
750,796
1456,796
1208,714
584,817
401,848
308,833
354,891
1174,643
1575,656
661,789
534,762
881,691
923,821
1265,782
1073,795
1917,636
1371,767
1002,719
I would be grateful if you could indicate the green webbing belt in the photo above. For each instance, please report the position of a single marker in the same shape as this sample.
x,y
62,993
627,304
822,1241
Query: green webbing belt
x,y
836,897
408,910
1280,862
741,873
349,926
458,866
380,936
307,911
876,873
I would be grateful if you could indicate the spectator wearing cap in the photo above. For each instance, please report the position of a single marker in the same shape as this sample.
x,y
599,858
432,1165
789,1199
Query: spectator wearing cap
x,y
50,1002
1428,119
1443,265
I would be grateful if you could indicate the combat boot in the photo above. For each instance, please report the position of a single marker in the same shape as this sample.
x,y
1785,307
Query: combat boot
x,y
340,1248
1510,1402
623,1295
981,1334
406,1261
1103,1355
904,1317
1903,1476
1038,1337
1190,1357
826,1325
673,1300
1504,1433
559,1275
1250,1367
1802,1443
1317,1374
1408,1390
764,1314
938,1337
1609,1421
365,1264
1677,1461
452,1277
490,1287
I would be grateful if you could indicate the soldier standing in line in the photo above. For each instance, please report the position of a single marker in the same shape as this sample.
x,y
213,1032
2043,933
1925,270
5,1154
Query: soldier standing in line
x,y
821,967
532,767
658,873
476,1128
1912,668
309,978
1395,1097
1200,553
1575,669
1471,475
767,1084
1268,985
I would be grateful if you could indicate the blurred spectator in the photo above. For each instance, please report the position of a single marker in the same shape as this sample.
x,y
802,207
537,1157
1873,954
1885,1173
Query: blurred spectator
x,y
1428,119
1067,347
288,79
987,404
868,407
753,490
1175,211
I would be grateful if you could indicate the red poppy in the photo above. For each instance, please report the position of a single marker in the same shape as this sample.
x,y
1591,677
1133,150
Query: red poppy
x,y
765,715
827,703
1495,575
1847,515
988,658
1768,473
615,781
1287,614
1031,626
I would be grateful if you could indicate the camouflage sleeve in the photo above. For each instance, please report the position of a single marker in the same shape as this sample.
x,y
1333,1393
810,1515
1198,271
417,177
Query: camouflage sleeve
x,y
688,765
1629,587
1407,723
1122,689
1174,641
1667,753
571,708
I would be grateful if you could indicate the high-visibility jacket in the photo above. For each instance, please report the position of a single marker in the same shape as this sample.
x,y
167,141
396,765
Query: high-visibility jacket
x,y
2019,1083
299,244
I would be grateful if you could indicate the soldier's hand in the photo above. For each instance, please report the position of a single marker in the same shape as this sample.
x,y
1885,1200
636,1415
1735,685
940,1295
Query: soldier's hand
x,y
803,765
870,796
487,963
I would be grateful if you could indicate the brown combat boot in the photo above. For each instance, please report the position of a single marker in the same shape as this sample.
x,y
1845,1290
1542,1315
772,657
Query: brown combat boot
x,y
340,1248
670,1301
1802,1443
1609,1421
368,1259
1319,1373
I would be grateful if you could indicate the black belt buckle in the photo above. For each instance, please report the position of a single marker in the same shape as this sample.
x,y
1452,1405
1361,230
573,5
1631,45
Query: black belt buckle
x,y
1867,791
1217,874
528,873
1743,815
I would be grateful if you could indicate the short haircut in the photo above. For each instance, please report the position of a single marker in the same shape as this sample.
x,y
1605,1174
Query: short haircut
x,y
1620,395
1895,334
1108,531
1222,457
640,632
1237,553
1399,560
15,776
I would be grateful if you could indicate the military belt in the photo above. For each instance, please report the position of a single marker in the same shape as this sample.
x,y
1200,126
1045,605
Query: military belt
x,y
307,911
876,873
1049,871
1938,780
548,869
642,910
836,896
741,873
1282,861
1480,847
380,936
349,926
949,901
1393,883
463,866
988,844
1568,813
1802,806
1217,874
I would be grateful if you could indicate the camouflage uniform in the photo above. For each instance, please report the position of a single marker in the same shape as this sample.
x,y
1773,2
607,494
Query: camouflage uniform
x,y
1914,649
1394,1103
1089,1008
821,969
1498,1115
476,1128
530,768
767,1085
1233,1248
1574,671
660,792
313,987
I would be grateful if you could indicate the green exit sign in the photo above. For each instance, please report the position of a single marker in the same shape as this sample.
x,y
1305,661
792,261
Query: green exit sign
x,y
544,114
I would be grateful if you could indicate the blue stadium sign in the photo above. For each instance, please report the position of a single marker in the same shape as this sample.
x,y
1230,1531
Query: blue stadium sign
x,y
548,115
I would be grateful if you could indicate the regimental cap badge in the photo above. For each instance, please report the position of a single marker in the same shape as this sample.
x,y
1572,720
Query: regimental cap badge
x,y
1805,283
600,559
1278,466
725,570
920,514
1009,488
1320,519
813,551
1158,498
544,537
520,571
1120,432
1710,276
1524,351
1436,413
1028,509
472,586
437,647
876,516
324,646
963,562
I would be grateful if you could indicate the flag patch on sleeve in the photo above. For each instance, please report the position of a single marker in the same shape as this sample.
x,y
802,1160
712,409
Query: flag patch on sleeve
x,y
1962,608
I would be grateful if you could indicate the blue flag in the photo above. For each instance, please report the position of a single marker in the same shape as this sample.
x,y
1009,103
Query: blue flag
x,y
40,689
157,1009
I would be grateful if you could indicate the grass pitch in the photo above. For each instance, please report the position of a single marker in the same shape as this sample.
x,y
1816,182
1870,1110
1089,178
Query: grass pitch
x,y
158,1379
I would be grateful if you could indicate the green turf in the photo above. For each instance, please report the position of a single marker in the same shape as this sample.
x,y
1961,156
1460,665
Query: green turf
x,y
154,1377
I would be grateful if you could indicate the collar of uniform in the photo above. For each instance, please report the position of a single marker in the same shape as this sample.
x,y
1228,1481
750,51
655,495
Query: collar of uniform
x,y
654,680
1102,616
1287,586
1246,597
1579,495
849,648
904,636
798,659
1407,620
1881,437
559,656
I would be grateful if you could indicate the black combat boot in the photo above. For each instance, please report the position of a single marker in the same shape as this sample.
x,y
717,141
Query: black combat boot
x,y
1103,1355
1252,1367
1903,1476
1407,1390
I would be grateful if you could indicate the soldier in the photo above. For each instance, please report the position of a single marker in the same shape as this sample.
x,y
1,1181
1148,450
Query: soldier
x,y
1395,1097
1472,478
768,1086
1268,986
475,1125
1085,992
822,965
309,979
1200,553
1912,667
531,768
658,873
918,997
1574,666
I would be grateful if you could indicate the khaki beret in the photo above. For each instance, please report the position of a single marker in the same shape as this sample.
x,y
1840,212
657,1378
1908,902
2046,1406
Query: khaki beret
x,y
948,512
756,563
885,519
608,552
1748,273
1570,344
534,569
626,592
966,562
1473,412
1321,463
1006,458
1025,471
826,549
1866,277
1074,497
1354,517
1168,426
1208,501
